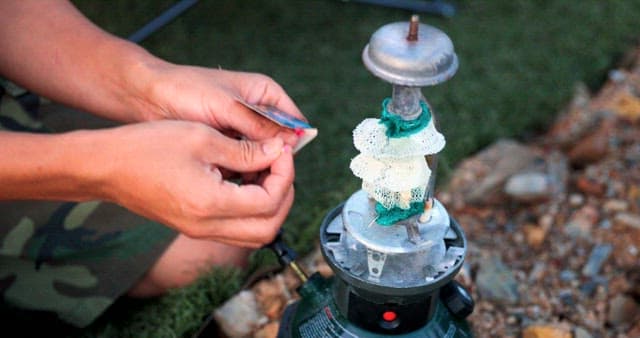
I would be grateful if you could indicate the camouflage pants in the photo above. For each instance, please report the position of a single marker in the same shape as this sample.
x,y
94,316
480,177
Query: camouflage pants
x,y
72,259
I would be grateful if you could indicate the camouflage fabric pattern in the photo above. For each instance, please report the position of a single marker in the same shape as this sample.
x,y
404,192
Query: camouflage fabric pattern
x,y
72,259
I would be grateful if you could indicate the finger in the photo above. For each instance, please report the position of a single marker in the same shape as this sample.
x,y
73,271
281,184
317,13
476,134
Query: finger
x,y
242,156
247,232
260,200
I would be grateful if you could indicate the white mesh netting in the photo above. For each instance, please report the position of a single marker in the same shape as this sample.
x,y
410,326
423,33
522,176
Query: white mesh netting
x,y
390,199
369,138
392,181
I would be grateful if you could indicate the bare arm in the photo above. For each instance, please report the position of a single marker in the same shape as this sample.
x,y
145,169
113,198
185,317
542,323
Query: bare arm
x,y
52,49
57,167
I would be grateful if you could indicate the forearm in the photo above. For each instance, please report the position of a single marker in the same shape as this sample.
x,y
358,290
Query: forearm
x,y
51,167
52,49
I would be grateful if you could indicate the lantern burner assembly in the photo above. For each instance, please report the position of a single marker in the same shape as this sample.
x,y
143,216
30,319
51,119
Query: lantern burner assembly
x,y
392,245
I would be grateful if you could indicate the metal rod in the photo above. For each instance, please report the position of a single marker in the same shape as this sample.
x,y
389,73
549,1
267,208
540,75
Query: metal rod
x,y
161,20
414,24
298,271
405,102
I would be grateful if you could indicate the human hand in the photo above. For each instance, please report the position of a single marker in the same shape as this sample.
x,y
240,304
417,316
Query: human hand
x,y
210,96
174,172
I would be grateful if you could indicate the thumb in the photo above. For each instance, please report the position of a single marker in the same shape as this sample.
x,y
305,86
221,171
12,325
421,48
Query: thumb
x,y
249,156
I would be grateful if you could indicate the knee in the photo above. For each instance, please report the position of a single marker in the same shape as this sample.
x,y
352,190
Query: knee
x,y
184,261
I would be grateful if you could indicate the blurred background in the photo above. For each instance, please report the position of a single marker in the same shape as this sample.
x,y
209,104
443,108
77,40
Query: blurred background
x,y
519,61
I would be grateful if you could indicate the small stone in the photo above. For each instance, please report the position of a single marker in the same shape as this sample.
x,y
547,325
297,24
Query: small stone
x,y
324,269
574,121
589,186
622,310
615,205
617,75
274,308
535,235
546,331
566,296
529,187
627,219
518,238
576,200
492,167
598,256
567,275
619,284
495,281
546,221
537,271
239,316
589,288
626,105
582,221
271,296
593,147
580,332
605,224
268,331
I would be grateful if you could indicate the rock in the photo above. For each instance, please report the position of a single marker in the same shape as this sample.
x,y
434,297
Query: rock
x,y
598,256
627,219
619,284
580,332
622,310
557,169
592,148
271,296
582,221
625,104
480,179
268,331
567,275
535,235
324,269
566,296
575,121
576,200
495,282
615,205
529,187
538,270
590,287
590,186
239,316
546,331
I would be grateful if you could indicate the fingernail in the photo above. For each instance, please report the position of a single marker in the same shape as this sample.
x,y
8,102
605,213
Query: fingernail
x,y
272,146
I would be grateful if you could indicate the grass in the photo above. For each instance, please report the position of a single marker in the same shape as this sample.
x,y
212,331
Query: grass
x,y
519,61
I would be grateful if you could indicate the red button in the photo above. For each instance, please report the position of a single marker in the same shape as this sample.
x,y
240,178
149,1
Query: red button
x,y
389,316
